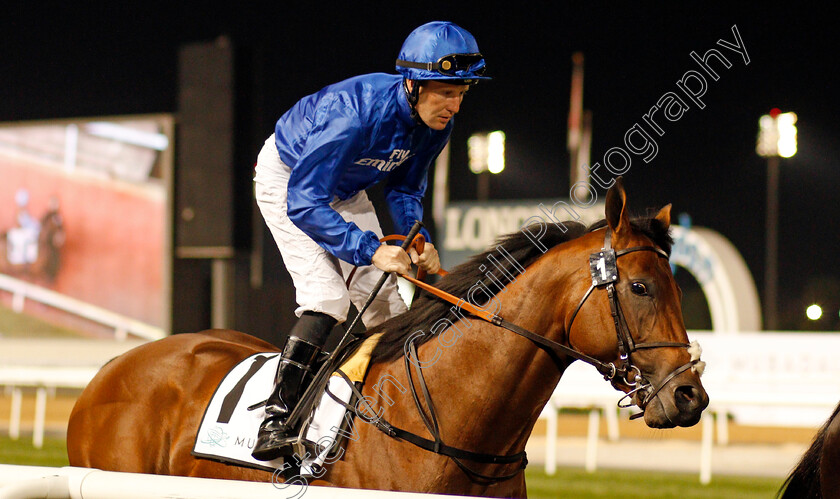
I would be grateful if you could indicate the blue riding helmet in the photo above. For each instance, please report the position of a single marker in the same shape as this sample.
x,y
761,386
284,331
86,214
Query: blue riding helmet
x,y
441,51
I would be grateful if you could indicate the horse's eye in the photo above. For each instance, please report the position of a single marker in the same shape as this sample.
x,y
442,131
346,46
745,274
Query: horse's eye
x,y
639,289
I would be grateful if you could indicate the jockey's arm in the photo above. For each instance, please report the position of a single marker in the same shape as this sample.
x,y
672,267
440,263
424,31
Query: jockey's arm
x,y
312,187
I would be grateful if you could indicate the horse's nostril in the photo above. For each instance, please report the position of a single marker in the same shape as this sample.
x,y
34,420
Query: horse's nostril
x,y
685,395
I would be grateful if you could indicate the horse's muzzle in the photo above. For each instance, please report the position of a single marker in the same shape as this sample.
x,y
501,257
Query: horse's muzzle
x,y
678,403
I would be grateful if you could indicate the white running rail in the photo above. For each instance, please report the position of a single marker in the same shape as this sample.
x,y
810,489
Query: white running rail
x,y
19,482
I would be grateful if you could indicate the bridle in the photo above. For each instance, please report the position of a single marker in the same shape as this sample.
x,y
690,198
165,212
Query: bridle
x,y
603,267
604,270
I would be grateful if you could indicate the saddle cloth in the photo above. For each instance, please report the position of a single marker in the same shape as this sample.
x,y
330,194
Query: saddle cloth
x,y
228,430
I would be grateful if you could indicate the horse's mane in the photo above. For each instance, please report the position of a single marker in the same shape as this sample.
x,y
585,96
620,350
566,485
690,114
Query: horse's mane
x,y
804,481
426,309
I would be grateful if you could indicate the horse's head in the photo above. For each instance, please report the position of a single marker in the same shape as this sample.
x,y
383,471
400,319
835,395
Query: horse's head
x,y
630,316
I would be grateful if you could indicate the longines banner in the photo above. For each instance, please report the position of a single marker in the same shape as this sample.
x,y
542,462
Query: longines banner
x,y
472,227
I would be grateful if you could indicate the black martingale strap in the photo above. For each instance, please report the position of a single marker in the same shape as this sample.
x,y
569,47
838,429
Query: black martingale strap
x,y
580,304
437,446
554,346
430,421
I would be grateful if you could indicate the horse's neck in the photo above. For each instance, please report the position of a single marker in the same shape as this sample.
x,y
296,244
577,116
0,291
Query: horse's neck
x,y
505,386
493,378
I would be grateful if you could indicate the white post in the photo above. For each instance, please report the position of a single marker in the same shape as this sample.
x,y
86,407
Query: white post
x,y
14,421
611,415
551,440
18,298
40,416
722,420
592,440
706,449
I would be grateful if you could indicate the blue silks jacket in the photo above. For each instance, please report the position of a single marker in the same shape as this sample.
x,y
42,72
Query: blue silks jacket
x,y
345,138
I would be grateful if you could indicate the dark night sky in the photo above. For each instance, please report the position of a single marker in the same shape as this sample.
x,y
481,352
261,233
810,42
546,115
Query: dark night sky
x,y
121,58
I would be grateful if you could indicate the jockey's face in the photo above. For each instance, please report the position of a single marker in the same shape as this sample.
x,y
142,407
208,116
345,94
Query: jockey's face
x,y
438,102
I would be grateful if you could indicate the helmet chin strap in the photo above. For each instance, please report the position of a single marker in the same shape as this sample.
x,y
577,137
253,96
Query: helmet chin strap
x,y
413,95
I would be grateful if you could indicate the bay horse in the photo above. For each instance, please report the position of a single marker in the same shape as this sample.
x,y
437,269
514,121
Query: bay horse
x,y
483,387
817,475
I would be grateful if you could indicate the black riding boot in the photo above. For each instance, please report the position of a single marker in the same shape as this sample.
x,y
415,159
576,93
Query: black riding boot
x,y
294,373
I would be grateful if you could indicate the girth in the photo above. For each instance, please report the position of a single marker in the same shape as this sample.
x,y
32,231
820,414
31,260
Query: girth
x,y
437,446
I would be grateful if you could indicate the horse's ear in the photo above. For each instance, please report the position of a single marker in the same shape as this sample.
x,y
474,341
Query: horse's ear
x,y
664,216
615,210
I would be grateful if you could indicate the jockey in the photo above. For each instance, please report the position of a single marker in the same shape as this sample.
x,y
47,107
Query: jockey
x,y
310,183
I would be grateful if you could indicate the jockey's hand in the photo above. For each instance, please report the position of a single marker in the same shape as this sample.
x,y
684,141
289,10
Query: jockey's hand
x,y
429,260
392,259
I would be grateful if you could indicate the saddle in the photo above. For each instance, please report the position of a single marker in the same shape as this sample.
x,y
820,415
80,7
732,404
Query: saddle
x,y
228,429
